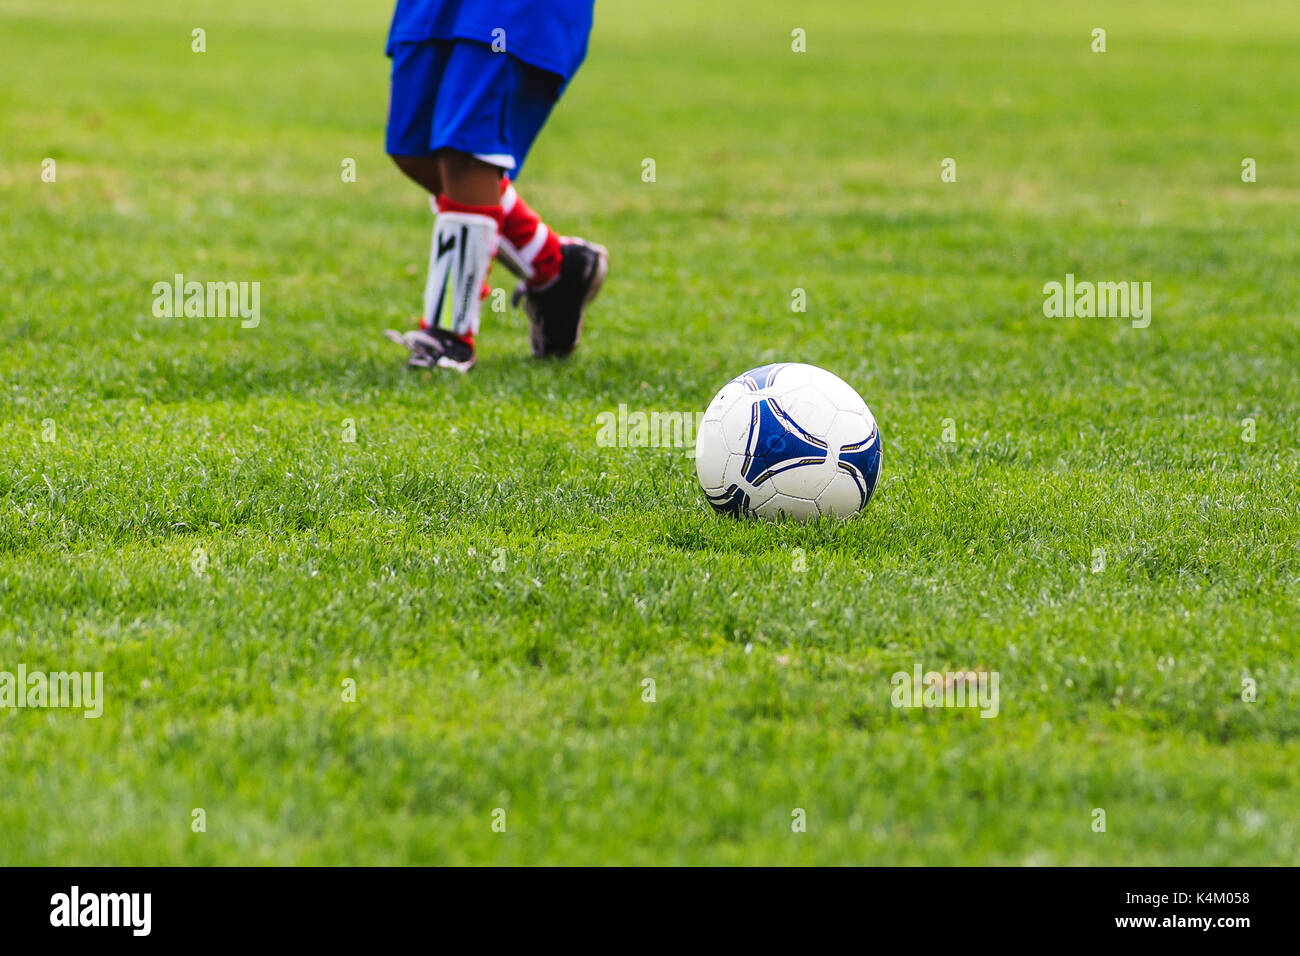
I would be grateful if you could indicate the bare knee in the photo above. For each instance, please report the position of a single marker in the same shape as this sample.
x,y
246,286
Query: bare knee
x,y
467,179
424,170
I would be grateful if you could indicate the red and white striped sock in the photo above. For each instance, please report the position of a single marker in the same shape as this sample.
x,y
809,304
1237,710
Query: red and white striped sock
x,y
532,244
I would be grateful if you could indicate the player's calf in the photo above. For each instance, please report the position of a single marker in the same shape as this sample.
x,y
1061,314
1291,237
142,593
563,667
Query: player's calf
x,y
464,242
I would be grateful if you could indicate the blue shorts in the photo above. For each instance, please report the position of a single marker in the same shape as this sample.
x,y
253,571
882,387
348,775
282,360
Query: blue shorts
x,y
460,95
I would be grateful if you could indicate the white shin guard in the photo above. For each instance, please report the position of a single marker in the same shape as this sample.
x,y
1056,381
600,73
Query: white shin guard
x,y
463,246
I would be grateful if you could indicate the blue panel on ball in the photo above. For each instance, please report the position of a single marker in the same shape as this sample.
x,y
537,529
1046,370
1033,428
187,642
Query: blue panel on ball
x,y
777,443
861,461
732,502
761,377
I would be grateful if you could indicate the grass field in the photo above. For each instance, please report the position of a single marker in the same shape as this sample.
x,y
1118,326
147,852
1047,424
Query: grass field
x,y
1075,503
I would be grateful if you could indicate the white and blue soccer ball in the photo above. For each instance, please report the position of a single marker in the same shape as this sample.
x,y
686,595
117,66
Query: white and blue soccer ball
x,y
788,440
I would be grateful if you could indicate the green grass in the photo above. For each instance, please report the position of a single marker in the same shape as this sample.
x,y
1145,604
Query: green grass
x,y
498,585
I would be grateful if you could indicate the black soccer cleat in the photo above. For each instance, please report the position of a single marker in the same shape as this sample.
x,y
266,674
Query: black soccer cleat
x,y
555,313
435,348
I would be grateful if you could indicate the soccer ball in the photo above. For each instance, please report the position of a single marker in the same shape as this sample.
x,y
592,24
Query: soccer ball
x,y
788,440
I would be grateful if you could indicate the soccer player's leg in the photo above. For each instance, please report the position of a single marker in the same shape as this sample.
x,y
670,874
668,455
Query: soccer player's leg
x,y
528,247
559,275
417,73
464,241
478,123
445,131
